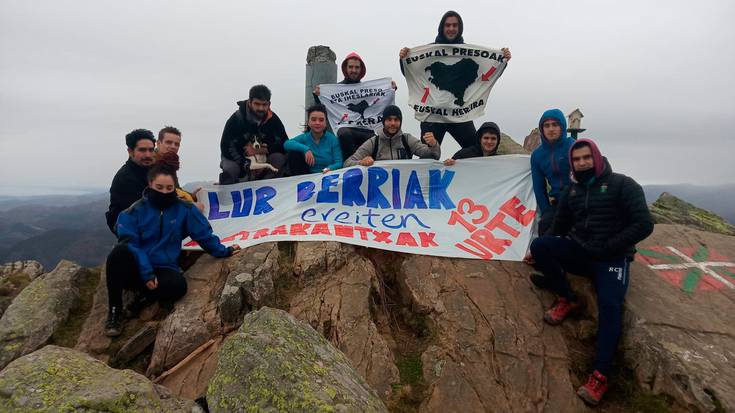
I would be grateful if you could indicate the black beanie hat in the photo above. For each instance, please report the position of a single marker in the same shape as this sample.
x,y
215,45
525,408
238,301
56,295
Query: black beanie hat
x,y
392,110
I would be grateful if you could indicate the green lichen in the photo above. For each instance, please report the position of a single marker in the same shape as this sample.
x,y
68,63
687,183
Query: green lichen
x,y
669,209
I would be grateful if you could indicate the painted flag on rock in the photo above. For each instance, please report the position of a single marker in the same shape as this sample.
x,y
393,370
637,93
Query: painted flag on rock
x,y
450,83
357,105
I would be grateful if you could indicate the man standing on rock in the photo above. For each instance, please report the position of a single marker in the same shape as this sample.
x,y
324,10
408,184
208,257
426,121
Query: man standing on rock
x,y
450,32
353,69
253,130
599,219
131,179
550,165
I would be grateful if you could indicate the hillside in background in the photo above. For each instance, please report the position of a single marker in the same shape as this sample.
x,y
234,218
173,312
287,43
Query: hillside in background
x,y
719,199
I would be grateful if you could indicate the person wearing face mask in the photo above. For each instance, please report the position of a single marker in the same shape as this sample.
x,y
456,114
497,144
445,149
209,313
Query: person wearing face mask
x,y
488,141
149,234
450,31
600,217
390,142
316,150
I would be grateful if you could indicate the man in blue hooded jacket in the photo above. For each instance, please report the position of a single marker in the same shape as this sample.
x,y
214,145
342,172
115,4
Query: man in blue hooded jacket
x,y
550,165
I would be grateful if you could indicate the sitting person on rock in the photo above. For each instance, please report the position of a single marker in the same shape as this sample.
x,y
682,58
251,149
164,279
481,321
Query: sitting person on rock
x,y
317,149
599,219
390,142
149,234
488,141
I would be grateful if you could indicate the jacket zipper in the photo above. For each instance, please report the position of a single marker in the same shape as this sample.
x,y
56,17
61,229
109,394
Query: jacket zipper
x,y
586,207
160,227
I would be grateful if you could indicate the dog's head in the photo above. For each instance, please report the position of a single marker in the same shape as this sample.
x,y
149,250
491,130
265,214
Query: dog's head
x,y
254,139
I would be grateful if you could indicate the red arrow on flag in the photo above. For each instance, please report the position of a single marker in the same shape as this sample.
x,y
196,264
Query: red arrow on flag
x,y
426,95
489,73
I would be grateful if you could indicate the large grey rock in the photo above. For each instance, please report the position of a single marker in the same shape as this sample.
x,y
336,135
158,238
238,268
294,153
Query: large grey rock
x,y
30,268
56,379
39,310
195,318
492,352
276,363
679,335
250,282
336,302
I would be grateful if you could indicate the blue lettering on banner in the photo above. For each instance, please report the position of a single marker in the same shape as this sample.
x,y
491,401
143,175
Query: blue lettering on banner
x,y
352,194
390,220
242,203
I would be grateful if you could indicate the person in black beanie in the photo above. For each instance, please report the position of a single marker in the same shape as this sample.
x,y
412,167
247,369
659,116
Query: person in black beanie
x,y
450,31
130,180
390,142
488,141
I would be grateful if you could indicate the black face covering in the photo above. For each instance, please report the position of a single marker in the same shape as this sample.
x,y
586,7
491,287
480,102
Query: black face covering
x,y
161,200
584,177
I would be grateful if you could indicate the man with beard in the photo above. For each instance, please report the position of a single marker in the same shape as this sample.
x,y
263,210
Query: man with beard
x,y
390,142
450,32
353,69
600,217
130,180
253,121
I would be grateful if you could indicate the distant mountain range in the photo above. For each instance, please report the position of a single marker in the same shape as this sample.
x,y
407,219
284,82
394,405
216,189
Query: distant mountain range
x,y
51,227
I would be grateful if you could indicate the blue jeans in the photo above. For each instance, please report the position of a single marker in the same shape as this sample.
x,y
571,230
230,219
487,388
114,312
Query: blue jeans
x,y
555,256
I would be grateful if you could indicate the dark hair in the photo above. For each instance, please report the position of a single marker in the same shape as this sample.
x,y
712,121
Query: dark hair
x,y
260,92
580,145
132,138
168,129
167,164
317,107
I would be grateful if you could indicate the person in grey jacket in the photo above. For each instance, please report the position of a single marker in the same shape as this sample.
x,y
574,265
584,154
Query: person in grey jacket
x,y
390,142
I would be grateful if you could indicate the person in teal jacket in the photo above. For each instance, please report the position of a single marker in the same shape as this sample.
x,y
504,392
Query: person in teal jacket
x,y
550,165
316,150
149,234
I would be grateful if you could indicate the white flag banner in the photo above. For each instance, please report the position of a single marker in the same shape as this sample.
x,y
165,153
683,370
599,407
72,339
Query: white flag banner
x,y
480,208
357,105
450,83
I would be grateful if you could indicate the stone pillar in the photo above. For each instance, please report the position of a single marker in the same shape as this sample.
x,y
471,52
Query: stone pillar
x,y
320,68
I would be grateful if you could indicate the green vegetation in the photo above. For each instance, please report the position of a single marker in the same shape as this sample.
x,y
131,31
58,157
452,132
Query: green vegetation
x,y
669,209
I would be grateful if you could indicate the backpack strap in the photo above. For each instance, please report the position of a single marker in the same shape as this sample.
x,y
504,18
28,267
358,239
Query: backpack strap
x,y
375,147
406,148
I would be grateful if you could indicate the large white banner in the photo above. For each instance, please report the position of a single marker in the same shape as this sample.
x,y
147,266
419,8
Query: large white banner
x,y
357,105
450,83
479,208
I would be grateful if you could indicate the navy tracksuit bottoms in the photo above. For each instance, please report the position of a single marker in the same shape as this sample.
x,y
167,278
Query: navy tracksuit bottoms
x,y
555,256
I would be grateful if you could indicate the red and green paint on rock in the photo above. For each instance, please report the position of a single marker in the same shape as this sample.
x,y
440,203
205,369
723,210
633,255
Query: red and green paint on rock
x,y
690,268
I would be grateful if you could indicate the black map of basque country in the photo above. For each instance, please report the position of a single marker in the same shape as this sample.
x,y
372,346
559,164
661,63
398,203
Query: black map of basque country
x,y
358,107
454,78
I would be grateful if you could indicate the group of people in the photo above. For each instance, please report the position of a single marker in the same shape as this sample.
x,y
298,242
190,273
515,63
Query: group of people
x,y
590,217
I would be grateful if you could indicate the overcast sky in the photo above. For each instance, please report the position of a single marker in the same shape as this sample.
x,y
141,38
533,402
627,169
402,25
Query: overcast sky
x,y
654,79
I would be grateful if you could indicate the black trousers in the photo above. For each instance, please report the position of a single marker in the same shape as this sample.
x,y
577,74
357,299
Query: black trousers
x,y
297,163
123,274
351,138
463,133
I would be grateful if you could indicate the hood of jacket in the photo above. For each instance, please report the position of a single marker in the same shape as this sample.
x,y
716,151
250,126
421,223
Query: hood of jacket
x,y
440,38
363,69
249,116
487,127
556,115
602,166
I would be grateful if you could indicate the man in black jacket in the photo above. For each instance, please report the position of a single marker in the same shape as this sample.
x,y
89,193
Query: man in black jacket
x,y
599,219
130,180
252,122
450,32
488,141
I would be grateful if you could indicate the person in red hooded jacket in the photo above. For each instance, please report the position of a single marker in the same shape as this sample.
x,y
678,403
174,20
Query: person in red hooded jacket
x,y
353,69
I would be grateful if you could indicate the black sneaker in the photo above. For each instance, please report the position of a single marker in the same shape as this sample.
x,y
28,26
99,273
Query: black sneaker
x,y
113,326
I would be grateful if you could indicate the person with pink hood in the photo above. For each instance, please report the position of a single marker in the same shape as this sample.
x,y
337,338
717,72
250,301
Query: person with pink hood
x,y
600,217
353,69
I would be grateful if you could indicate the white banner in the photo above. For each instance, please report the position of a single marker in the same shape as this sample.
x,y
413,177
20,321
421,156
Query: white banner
x,y
357,105
450,83
479,208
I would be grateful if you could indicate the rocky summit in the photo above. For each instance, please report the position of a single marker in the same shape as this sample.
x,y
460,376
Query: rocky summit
x,y
324,326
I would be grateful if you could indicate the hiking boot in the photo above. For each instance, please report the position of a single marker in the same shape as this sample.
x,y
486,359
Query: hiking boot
x,y
562,309
113,326
540,280
594,389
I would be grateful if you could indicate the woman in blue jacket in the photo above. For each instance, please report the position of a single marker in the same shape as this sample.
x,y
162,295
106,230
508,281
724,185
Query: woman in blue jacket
x,y
317,149
149,234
